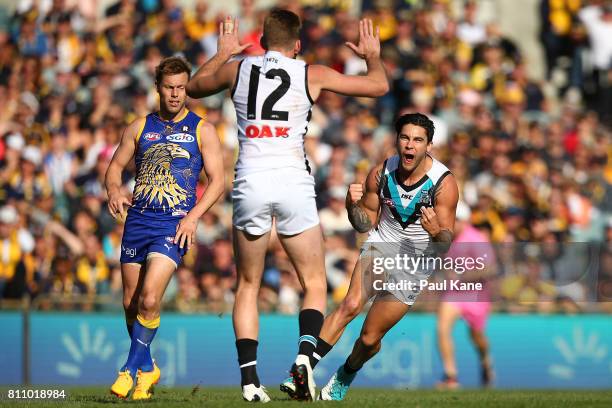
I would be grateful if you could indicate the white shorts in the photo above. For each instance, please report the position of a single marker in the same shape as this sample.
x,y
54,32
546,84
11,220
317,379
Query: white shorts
x,y
382,275
286,194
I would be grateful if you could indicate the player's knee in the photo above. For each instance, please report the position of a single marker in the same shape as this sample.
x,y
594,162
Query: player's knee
x,y
350,307
130,305
247,286
149,304
370,341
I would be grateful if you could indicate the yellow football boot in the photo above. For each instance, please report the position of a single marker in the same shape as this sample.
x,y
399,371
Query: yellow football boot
x,y
123,384
145,382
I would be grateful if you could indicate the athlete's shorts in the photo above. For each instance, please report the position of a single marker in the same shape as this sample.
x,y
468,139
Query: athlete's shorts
x,y
474,313
144,237
384,276
284,194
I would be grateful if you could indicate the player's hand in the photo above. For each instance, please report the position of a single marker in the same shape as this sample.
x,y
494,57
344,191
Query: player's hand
x,y
429,221
228,43
185,232
369,41
116,205
355,193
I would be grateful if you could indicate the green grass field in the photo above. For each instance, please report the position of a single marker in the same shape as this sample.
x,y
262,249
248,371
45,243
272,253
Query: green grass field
x,y
358,397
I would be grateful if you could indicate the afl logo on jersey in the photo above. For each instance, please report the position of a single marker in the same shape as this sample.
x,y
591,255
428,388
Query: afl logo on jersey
x,y
388,202
152,136
180,138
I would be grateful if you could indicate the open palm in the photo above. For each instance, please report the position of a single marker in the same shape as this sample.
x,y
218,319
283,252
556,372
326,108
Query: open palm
x,y
369,40
228,43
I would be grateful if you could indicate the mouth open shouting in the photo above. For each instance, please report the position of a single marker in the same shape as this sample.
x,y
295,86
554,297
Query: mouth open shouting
x,y
408,159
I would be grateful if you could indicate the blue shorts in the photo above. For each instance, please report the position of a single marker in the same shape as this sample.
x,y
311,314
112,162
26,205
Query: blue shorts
x,y
143,235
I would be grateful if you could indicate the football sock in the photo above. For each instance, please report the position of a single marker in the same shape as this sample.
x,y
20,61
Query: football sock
x,y
320,351
310,321
142,335
348,369
129,323
247,359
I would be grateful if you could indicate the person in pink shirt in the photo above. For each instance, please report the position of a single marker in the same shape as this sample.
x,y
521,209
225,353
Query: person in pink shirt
x,y
472,305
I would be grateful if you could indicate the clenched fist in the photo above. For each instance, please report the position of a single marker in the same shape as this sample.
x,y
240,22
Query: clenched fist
x,y
429,221
355,193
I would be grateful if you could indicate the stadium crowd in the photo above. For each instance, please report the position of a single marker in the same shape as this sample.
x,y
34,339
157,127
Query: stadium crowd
x,y
532,158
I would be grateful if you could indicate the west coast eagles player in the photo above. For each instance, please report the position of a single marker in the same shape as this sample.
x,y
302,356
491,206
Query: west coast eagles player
x,y
273,95
409,202
170,147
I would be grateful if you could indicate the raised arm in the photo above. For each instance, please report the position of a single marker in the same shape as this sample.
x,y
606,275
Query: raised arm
x,y
213,167
439,222
72,241
218,73
122,156
373,84
363,206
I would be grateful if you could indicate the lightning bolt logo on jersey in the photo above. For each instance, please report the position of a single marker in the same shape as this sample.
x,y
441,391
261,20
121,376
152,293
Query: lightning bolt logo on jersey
x,y
168,164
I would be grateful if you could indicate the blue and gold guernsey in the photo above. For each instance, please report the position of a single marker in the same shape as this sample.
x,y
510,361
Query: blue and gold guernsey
x,y
168,165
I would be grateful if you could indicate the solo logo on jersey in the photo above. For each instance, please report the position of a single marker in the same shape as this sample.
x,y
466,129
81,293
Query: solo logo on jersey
x,y
180,138
253,131
152,136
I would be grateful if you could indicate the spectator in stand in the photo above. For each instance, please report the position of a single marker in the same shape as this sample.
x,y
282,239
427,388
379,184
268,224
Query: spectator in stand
x,y
531,155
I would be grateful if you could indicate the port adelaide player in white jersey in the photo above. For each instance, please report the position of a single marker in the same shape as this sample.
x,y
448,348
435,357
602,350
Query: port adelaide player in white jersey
x,y
273,95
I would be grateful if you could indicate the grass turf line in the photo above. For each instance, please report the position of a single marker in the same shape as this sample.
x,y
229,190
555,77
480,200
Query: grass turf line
x,y
357,397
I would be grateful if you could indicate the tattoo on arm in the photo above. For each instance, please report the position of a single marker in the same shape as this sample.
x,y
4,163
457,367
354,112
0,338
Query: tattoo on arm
x,y
359,219
444,238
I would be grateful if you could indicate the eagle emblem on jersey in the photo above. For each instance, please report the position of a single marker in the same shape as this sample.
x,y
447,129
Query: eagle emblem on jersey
x,y
155,181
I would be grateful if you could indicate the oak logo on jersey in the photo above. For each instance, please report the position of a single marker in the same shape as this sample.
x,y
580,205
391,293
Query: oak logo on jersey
x,y
254,131
155,182
180,138
152,136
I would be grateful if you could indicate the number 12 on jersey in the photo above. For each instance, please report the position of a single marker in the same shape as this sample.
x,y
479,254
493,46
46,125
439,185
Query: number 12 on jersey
x,y
267,111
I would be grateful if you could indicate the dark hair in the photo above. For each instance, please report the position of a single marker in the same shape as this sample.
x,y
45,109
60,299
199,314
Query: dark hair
x,y
281,29
171,66
417,119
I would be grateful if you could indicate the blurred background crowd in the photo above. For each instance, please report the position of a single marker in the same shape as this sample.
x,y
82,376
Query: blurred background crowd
x,y
532,156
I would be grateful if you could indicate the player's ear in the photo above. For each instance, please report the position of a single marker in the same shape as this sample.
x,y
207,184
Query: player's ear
x,y
297,48
263,42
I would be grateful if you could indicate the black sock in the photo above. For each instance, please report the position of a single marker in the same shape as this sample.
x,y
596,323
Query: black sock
x,y
247,358
310,326
446,377
321,351
348,369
